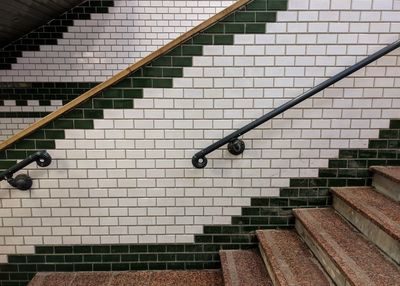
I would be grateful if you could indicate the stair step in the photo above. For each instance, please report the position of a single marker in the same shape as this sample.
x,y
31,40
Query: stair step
x,y
372,213
243,267
288,260
131,278
386,180
344,253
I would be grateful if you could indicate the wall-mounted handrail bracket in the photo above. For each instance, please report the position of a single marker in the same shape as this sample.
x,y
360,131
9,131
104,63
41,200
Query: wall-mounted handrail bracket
x,y
236,146
24,182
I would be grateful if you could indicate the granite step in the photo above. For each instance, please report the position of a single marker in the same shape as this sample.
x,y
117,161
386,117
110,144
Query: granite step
x,y
386,180
243,267
130,278
346,255
289,261
375,215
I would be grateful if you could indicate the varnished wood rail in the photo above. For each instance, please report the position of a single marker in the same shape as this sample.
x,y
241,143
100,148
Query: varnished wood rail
x,y
121,75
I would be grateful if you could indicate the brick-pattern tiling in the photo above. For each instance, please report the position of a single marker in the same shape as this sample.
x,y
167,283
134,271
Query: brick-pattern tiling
x,y
349,169
50,33
122,173
98,39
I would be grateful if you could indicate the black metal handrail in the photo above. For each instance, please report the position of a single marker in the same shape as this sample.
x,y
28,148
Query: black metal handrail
x,y
236,146
24,182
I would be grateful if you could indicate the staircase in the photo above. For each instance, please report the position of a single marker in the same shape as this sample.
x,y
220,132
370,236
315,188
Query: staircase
x,y
357,242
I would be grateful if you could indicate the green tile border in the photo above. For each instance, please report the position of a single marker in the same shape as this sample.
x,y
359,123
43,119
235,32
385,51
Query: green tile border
x,y
263,213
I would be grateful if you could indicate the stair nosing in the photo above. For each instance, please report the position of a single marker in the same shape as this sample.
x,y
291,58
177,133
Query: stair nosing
x,y
364,213
281,279
328,253
378,171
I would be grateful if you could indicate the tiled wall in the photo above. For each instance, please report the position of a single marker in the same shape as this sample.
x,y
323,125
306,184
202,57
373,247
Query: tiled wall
x,y
98,39
59,61
122,174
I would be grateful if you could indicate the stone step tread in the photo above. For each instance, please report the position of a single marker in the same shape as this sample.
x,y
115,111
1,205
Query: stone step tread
x,y
359,260
392,173
291,262
381,210
130,278
244,267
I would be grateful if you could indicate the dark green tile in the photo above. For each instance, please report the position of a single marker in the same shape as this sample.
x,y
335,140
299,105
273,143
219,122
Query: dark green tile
x,y
162,83
142,82
63,124
133,93
44,249
119,249
16,259
35,259
120,266
83,124
123,104
255,28
156,248
218,28
25,144
152,72
54,134
127,82
173,72
101,266
12,154
182,61
138,248
112,93
45,144
55,258
192,51
223,39
73,258
277,5
166,257
111,258
63,249
78,267
203,39
378,144
257,5
129,257
163,61
101,249
175,52
234,28
265,16
103,103
394,124
93,114
389,134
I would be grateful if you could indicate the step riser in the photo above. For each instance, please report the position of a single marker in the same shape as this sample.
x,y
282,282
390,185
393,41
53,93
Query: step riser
x,y
375,234
386,187
269,268
322,257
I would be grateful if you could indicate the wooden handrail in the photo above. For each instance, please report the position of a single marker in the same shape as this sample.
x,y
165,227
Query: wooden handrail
x,y
121,75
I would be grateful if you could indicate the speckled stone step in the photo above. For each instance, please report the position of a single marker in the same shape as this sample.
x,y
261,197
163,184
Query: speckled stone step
x,y
289,261
132,278
345,254
375,215
244,267
386,180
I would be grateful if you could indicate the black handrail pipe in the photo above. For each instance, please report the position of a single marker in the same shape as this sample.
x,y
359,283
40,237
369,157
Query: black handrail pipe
x,y
24,182
236,146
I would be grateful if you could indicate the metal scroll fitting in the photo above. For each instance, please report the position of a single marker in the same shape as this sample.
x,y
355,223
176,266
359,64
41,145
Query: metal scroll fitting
x,y
199,162
236,147
24,182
